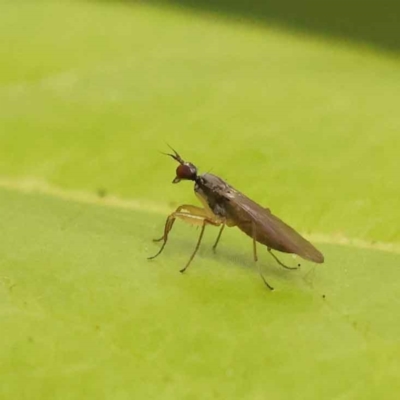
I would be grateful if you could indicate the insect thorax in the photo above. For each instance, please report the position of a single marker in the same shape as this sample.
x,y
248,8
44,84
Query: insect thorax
x,y
210,188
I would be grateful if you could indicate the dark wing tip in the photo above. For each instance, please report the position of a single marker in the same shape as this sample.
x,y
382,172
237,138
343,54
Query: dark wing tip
x,y
316,256
320,259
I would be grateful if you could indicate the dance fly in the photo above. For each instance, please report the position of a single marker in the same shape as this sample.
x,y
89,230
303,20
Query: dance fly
x,y
223,206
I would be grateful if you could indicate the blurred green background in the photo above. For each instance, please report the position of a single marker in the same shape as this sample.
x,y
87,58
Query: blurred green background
x,y
294,103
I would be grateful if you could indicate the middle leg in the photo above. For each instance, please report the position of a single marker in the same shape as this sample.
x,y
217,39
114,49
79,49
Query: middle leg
x,y
256,258
218,237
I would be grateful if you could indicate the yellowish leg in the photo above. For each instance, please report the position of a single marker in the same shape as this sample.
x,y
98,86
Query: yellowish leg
x,y
256,258
196,248
255,249
218,237
185,207
193,215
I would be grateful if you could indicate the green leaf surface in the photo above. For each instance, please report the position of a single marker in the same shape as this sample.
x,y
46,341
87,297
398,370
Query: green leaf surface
x,y
85,314
90,92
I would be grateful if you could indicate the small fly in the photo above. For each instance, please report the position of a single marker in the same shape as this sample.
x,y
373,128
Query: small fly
x,y
225,206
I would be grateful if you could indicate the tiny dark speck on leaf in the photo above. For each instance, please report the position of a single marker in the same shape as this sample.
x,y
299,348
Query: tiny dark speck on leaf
x,y
102,192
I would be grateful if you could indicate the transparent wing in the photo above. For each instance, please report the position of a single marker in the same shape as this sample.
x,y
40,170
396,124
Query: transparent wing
x,y
270,230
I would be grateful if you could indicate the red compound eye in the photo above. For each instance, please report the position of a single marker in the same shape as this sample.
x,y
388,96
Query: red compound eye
x,y
184,172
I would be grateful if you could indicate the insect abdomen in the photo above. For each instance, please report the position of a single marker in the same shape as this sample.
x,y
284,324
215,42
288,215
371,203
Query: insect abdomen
x,y
268,237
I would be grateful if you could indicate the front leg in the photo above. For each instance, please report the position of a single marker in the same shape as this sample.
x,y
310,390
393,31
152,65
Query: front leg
x,y
194,216
194,210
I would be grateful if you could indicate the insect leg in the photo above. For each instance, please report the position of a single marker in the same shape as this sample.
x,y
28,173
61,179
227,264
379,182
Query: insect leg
x,y
279,261
170,223
193,209
255,249
196,248
218,237
262,277
256,258
168,226
191,214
